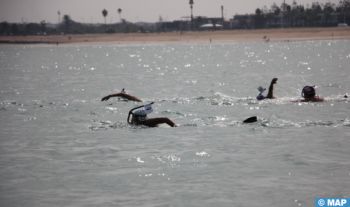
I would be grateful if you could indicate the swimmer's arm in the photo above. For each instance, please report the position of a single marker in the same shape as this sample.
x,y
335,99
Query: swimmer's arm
x,y
130,97
123,95
110,96
270,93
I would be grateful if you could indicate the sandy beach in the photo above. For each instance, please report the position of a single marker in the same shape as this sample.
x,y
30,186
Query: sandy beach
x,y
290,34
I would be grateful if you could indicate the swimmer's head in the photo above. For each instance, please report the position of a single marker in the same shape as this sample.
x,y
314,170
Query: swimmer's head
x,y
308,92
260,97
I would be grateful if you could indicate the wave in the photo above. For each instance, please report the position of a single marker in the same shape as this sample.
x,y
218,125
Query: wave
x,y
105,125
281,123
170,112
221,99
215,99
266,123
223,121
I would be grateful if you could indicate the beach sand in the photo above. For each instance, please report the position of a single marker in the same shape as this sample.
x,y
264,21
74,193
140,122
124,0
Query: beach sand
x,y
290,34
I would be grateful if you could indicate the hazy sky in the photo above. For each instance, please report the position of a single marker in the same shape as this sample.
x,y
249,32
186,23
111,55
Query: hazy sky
x,y
132,10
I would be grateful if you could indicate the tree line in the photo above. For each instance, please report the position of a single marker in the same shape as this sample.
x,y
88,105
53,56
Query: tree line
x,y
66,26
285,15
296,15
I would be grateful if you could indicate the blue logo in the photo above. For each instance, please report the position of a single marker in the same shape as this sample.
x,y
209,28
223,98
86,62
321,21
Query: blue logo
x,y
332,202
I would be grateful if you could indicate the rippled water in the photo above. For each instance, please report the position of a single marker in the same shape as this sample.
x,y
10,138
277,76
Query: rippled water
x,y
61,146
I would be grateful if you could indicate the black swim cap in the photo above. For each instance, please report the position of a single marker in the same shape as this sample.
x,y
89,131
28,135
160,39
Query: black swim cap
x,y
308,92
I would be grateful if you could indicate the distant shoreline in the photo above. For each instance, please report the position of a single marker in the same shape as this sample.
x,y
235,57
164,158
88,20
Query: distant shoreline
x,y
289,34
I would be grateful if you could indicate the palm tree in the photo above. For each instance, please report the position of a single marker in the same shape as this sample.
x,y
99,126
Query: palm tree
x,y
120,13
67,22
104,13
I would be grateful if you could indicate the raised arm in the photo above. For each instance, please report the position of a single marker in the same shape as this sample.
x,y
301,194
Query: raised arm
x,y
270,93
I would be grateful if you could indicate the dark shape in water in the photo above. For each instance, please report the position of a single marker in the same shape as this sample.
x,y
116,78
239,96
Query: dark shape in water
x,y
251,120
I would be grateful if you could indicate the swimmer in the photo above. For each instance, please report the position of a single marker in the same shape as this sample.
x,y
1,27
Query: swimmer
x,y
138,116
309,95
270,92
260,95
123,95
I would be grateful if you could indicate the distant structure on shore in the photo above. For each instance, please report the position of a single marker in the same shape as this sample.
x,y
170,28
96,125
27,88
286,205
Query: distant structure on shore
x,y
286,16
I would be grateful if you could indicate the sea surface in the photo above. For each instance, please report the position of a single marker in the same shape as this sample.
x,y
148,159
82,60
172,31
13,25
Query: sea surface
x,y
61,146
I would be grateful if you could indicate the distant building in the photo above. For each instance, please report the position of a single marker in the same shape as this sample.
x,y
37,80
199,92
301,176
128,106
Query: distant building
x,y
242,21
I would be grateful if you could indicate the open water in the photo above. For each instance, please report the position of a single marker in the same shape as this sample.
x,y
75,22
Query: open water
x,y
61,146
